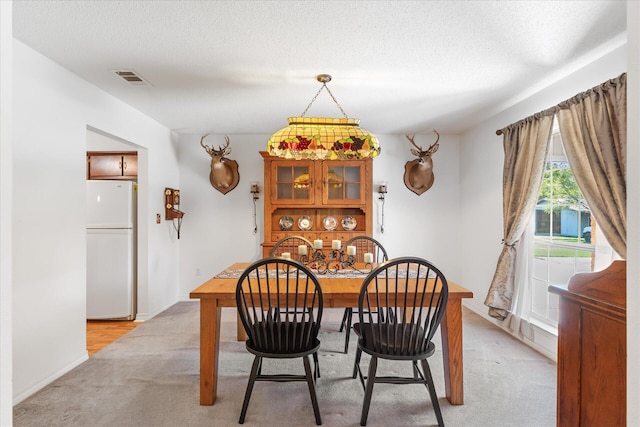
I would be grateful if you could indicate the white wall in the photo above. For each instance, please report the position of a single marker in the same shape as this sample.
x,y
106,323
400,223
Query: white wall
x,y
52,109
217,229
481,164
6,126
98,141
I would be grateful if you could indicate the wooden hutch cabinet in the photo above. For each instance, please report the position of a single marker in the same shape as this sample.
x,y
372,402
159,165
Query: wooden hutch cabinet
x,y
592,349
317,199
109,165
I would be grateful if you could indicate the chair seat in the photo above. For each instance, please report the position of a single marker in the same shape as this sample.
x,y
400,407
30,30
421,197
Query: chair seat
x,y
282,338
392,339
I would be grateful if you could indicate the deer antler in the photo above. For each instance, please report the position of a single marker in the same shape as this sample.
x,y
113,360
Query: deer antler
x,y
432,148
410,138
206,147
221,151
226,149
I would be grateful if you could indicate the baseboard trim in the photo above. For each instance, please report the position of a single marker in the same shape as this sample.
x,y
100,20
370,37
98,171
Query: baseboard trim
x,y
141,317
51,378
546,343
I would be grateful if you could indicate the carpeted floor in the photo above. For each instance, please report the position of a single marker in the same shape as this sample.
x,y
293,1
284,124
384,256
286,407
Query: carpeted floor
x,y
150,377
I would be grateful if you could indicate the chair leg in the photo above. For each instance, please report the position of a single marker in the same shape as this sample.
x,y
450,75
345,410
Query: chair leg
x,y
371,379
344,318
348,330
316,366
257,362
432,392
415,369
312,389
357,362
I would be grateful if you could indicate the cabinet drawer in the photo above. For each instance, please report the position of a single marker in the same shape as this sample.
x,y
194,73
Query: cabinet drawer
x,y
277,236
309,236
343,235
327,236
306,234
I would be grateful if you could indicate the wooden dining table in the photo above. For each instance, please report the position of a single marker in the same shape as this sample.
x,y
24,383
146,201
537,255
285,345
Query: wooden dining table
x,y
338,290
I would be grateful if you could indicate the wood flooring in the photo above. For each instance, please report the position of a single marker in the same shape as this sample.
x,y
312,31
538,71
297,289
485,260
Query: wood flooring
x,y
101,333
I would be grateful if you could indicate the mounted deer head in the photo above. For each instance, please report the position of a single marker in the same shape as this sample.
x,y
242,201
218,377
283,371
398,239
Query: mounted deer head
x,y
224,174
418,173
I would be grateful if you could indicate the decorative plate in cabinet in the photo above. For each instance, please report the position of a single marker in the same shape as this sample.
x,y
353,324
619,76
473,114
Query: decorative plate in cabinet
x,y
305,223
286,223
349,223
329,223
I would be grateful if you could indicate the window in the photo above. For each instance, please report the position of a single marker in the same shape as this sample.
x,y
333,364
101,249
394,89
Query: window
x,y
566,241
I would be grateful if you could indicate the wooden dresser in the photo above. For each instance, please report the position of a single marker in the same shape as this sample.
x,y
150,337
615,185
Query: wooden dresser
x,y
592,347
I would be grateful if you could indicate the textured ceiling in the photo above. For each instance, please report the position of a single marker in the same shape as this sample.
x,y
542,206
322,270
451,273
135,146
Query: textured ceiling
x,y
245,66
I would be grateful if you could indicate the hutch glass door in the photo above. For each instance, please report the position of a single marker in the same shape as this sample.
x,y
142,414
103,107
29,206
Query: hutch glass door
x,y
293,183
343,182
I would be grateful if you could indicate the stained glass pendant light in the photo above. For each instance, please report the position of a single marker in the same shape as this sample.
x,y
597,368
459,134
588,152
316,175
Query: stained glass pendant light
x,y
323,138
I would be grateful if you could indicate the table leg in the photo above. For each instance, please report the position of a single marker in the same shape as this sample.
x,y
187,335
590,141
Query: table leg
x,y
451,331
241,334
209,350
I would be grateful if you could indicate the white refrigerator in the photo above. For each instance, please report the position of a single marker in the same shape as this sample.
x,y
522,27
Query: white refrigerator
x,y
111,249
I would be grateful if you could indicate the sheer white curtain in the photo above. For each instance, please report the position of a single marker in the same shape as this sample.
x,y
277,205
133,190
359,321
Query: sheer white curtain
x,y
518,319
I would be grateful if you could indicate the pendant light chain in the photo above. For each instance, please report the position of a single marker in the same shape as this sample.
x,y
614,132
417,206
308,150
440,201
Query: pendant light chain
x,y
324,86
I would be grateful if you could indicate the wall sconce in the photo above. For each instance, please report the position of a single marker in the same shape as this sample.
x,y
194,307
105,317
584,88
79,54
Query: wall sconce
x,y
382,191
255,190
171,211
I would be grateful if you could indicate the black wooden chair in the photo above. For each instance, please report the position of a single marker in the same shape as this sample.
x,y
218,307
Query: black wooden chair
x,y
400,306
363,244
280,305
290,244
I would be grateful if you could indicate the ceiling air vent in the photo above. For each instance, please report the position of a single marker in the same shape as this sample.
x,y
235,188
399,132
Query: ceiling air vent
x,y
132,78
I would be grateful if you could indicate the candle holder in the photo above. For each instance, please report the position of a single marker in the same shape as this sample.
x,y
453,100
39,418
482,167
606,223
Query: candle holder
x,y
332,262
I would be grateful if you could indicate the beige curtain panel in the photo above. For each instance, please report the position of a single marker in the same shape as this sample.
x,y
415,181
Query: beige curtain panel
x,y
593,125
525,152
